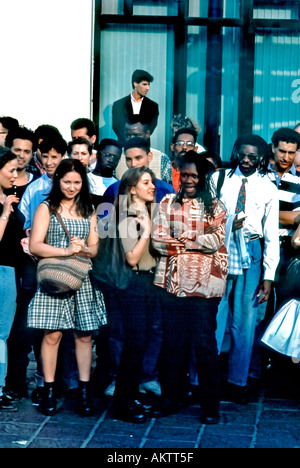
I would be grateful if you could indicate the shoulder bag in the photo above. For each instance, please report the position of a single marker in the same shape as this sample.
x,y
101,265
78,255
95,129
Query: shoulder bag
x,y
62,275
110,268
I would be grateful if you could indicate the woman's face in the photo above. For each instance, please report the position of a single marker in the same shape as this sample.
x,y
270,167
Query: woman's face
x,y
70,184
144,190
189,180
8,174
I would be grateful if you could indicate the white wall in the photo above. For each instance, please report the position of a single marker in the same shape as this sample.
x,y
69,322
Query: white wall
x,y
46,61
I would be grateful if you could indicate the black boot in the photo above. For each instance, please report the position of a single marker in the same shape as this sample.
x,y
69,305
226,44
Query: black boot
x,y
84,405
48,407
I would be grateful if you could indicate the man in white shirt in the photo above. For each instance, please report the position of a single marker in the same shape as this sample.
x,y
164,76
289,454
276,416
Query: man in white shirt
x,y
251,270
135,103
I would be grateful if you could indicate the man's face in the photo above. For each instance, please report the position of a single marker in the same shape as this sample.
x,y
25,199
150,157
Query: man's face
x,y
109,157
142,88
81,152
51,160
3,134
184,142
82,133
135,130
137,157
248,159
23,150
284,155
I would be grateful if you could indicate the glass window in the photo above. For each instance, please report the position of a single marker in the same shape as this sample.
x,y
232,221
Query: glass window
x,y
112,7
277,9
227,9
223,110
124,48
230,91
276,81
196,76
157,8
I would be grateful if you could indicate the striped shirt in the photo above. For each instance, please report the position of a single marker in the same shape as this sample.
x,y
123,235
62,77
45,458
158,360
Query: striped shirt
x,y
289,193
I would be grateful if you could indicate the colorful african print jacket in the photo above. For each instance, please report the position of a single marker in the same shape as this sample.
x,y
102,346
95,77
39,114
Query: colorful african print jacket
x,y
192,262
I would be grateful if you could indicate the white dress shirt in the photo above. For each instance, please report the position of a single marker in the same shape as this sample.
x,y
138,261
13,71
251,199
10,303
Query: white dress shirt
x,y
261,210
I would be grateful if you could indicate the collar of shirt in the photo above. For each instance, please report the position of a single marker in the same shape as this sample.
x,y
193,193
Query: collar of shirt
x,y
239,173
136,105
292,170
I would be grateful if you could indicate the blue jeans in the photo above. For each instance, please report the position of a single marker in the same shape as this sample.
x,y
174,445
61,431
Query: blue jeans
x,y
238,311
8,305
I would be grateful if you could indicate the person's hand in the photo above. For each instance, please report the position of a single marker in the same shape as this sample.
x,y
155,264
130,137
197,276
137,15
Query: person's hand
x,y
211,229
238,223
77,241
145,223
7,206
297,219
264,291
74,247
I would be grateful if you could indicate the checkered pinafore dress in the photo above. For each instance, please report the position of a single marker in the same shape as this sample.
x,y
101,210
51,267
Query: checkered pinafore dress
x,y
84,310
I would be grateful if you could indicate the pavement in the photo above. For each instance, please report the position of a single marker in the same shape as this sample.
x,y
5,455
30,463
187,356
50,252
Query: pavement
x,y
270,420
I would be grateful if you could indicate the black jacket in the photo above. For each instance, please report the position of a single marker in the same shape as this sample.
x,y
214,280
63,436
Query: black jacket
x,y
122,111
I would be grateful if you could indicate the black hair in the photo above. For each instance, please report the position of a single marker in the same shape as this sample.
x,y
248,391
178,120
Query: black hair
x,y
79,141
188,130
55,142
21,133
10,123
109,142
138,142
6,155
141,75
84,123
287,135
252,140
204,189
46,131
83,201
217,161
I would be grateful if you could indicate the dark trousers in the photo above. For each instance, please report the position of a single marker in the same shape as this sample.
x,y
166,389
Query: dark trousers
x,y
190,321
139,306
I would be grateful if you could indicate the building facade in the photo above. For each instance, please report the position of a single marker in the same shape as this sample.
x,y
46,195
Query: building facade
x,y
231,65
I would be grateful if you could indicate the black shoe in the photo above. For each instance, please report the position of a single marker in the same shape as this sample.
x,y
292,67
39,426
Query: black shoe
x,y
48,407
131,412
84,405
210,418
37,396
13,396
6,405
237,394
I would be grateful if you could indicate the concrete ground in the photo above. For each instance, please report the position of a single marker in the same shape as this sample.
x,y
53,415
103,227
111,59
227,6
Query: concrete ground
x,y
270,420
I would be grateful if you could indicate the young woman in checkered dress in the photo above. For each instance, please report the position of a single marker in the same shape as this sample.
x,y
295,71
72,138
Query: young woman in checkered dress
x,y
83,311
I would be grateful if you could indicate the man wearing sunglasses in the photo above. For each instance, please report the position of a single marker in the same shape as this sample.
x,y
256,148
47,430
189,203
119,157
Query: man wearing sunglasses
x,y
251,201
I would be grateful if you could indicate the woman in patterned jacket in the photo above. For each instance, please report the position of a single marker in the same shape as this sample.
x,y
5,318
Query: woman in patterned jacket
x,y
189,234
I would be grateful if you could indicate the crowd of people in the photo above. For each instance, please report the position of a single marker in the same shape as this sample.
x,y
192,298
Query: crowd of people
x,y
209,250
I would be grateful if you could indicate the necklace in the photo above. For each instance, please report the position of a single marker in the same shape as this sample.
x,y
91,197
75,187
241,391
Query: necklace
x,y
67,208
